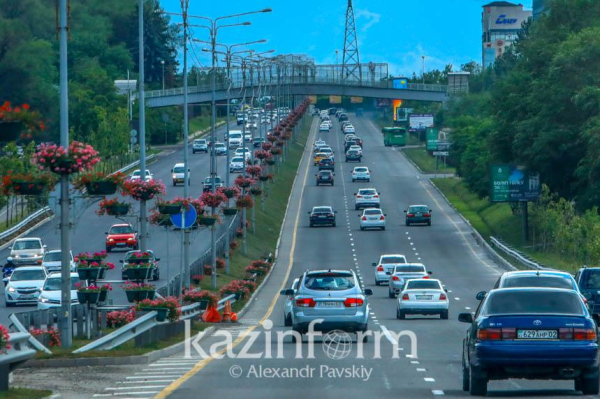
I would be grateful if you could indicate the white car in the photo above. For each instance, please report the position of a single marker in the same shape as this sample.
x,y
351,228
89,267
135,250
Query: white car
x,y
424,297
24,285
329,152
324,127
243,152
220,149
361,173
385,267
137,175
235,139
366,198
288,305
27,251
372,218
357,148
200,145
178,174
318,144
349,129
52,261
237,164
248,137
50,295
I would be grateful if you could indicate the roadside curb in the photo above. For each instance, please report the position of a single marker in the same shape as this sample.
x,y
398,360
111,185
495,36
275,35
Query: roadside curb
x,y
495,256
401,150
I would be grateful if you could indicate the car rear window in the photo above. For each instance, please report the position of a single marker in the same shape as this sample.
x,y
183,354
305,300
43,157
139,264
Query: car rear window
x,y
409,269
418,209
393,259
361,170
373,212
329,282
52,257
538,281
591,280
237,159
423,285
325,173
533,302
322,210
367,192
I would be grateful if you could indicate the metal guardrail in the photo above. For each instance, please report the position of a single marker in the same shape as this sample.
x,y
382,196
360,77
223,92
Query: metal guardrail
x,y
32,341
24,222
518,256
19,353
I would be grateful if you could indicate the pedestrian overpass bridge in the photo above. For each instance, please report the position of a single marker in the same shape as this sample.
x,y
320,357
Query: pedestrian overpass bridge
x,y
300,80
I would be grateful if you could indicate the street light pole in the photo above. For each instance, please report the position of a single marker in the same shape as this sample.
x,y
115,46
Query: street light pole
x,y
423,70
142,133
163,78
65,245
186,150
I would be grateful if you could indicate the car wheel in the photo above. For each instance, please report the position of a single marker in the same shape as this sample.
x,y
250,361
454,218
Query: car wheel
x,y
444,315
377,283
391,294
356,208
333,224
287,321
429,223
346,159
174,184
365,338
383,228
401,315
9,305
362,229
577,382
465,379
353,180
136,247
590,386
311,225
408,224
108,249
477,386
317,184
155,275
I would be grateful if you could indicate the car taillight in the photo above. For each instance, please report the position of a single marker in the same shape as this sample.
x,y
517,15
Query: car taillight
x,y
405,297
382,217
376,196
427,215
584,334
305,303
353,302
364,218
509,333
380,268
359,196
330,215
425,276
443,297
410,215
489,334
395,278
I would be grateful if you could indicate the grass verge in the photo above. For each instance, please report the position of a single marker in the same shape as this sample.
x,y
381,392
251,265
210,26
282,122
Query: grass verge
x,y
497,220
425,161
24,393
202,122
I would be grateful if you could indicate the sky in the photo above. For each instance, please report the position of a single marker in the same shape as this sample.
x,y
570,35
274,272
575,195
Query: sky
x,y
398,32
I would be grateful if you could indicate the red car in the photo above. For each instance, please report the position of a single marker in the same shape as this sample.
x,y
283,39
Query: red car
x,y
121,236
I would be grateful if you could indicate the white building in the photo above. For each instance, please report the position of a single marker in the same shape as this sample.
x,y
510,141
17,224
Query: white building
x,y
501,22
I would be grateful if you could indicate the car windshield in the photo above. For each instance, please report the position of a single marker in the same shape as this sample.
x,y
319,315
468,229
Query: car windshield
x,y
353,152
361,170
423,285
533,302
200,141
322,210
238,160
178,169
591,280
325,173
208,180
235,135
373,212
53,284
409,269
538,281
329,282
52,257
393,259
26,275
418,209
367,192
326,150
27,244
121,230
219,145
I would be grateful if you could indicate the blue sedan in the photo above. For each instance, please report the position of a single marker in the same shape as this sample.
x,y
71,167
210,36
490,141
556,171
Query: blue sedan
x,y
530,333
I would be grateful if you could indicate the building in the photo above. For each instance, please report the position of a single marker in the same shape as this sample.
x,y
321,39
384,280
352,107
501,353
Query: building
x,y
539,6
501,22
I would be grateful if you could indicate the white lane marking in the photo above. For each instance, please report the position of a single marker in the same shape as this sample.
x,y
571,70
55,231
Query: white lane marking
x,y
457,299
412,244
437,392
138,387
145,377
467,308
174,368
414,362
419,258
417,254
421,370
133,393
429,379
137,382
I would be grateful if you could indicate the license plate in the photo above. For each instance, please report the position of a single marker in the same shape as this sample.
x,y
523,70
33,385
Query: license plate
x,y
537,334
121,244
372,219
27,297
368,197
419,214
425,297
329,304
322,216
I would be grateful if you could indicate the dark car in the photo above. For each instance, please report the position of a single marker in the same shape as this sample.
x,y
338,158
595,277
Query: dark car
x,y
322,215
588,280
326,164
353,156
208,183
257,142
324,177
343,117
530,333
418,214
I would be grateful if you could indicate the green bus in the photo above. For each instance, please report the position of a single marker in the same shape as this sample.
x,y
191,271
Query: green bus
x,y
394,136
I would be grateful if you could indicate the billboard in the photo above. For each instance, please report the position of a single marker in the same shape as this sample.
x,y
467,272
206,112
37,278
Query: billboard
x,y
509,183
313,99
335,99
396,104
420,121
507,18
400,83
356,100
432,139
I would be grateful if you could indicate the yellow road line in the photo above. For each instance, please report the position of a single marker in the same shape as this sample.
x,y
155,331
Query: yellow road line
x,y
200,365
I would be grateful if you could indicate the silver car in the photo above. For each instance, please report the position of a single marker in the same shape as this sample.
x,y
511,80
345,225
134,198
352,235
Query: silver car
x,y
333,296
52,261
289,304
199,145
403,273
424,297
372,218
385,267
25,285
27,251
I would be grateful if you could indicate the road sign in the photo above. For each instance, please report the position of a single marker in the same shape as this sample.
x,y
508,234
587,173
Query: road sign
x,y
133,133
432,139
133,140
441,153
513,184
189,218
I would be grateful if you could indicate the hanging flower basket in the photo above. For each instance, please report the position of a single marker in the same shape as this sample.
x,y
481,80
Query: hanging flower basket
x,y
88,297
97,183
112,207
138,272
169,305
230,211
244,202
213,200
263,178
28,188
256,190
207,221
89,273
103,296
141,190
139,295
159,219
54,158
101,188
271,162
229,192
243,182
169,209
161,313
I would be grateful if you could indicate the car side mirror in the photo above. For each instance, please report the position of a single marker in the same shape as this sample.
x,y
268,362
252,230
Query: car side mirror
x,y
385,214
288,292
373,264
446,289
135,232
44,246
171,170
480,295
308,212
334,211
121,261
368,292
354,194
465,318
106,232
429,272
431,210
156,259
405,211
388,273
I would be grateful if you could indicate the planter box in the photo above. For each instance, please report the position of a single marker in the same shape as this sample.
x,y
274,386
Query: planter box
x,y
256,191
101,188
103,296
89,273
139,295
118,210
169,209
161,313
88,297
230,211
263,178
138,273
28,188
271,162
102,273
203,304
207,221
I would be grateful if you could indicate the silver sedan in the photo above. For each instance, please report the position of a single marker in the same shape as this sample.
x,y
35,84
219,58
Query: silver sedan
x,y
372,218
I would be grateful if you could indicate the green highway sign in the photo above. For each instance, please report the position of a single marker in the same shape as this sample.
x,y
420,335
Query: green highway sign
x,y
510,183
432,139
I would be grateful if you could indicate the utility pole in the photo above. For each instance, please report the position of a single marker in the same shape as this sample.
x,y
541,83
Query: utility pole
x,y
143,220
186,150
66,333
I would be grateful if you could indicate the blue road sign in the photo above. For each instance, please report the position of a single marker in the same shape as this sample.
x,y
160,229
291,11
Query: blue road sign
x,y
189,218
